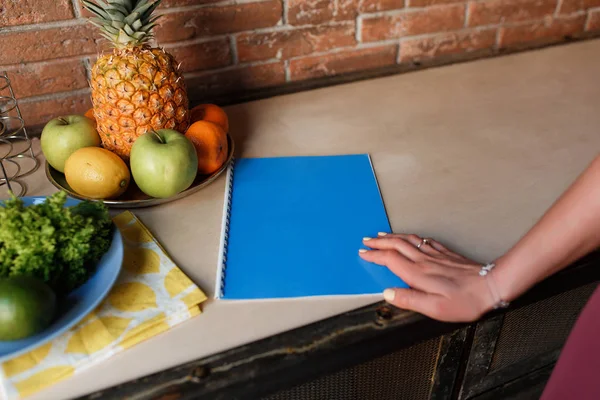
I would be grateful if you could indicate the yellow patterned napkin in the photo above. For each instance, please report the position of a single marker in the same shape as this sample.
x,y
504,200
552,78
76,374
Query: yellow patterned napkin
x,y
150,296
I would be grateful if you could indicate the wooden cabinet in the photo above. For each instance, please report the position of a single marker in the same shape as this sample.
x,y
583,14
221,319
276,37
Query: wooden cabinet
x,y
379,352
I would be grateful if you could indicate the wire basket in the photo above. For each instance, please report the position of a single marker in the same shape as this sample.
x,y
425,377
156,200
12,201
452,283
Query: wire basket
x,y
17,158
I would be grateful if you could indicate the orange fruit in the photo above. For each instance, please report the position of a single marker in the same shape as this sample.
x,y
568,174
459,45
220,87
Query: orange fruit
x,y
210,113
90,114
210,141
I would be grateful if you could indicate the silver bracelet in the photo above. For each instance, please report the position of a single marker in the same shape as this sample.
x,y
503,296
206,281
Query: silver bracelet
x,y
485,271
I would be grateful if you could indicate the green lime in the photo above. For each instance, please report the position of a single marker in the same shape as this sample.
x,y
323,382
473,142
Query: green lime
x,y
27,306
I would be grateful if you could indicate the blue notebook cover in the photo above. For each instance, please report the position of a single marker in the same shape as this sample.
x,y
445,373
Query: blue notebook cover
x,y
292,227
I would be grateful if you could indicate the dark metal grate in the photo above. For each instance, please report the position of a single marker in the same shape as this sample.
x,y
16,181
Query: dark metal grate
x,y
406,374
539,328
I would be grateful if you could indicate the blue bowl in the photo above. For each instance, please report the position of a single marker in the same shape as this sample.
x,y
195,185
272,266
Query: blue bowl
x,y
78,303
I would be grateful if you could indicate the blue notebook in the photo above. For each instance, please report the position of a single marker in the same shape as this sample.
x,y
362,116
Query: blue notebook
x,y
292,227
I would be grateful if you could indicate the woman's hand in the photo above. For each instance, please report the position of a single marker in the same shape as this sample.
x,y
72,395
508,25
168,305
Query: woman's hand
x,y
448,287
443,285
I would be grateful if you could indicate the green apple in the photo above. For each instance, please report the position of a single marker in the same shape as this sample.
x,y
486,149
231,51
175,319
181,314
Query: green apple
x,y
163,163
61,136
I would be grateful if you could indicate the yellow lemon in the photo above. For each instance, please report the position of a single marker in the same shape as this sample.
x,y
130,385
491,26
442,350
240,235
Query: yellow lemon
x,y
97,173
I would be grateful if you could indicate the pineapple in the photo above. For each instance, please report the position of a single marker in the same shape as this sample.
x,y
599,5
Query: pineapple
x,y
136,88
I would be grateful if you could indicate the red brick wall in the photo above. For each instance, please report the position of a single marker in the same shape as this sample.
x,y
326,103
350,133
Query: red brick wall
x,y
234,46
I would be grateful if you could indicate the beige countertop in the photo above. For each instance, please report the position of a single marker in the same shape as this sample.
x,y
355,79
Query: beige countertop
x,y
470,154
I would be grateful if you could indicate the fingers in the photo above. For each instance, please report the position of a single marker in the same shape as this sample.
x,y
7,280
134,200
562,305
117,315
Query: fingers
x,y
433,247
416,240
415,300
384,257
432,305
441,248
395,261
404,268
444,250
395,243
438,246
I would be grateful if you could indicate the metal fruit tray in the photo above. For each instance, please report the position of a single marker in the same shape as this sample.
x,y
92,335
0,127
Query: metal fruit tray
x,y
134,197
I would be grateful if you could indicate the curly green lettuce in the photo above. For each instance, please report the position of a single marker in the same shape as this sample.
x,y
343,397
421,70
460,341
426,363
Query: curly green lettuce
x,y
59,245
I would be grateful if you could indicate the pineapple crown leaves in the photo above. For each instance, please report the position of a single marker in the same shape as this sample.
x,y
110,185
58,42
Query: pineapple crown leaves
x,y
123,22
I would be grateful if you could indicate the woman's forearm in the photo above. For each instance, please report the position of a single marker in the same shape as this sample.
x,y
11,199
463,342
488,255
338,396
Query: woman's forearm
x,y
566,232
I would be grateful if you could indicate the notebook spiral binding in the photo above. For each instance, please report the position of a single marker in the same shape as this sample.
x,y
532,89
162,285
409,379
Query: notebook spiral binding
x,y
220,279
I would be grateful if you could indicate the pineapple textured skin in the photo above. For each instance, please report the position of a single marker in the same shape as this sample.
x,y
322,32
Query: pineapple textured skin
x,y
136,89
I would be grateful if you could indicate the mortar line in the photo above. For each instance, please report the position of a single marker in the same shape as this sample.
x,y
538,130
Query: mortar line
x,y
44,25
270,29
76,8
191,42
285,10
588,20
558,7
234,50
195,74
172,10
53,96
467,14
498,38
407,10
43,63
88,68
288,73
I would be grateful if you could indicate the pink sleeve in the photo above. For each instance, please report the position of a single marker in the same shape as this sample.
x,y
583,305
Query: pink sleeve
x,y
577,371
